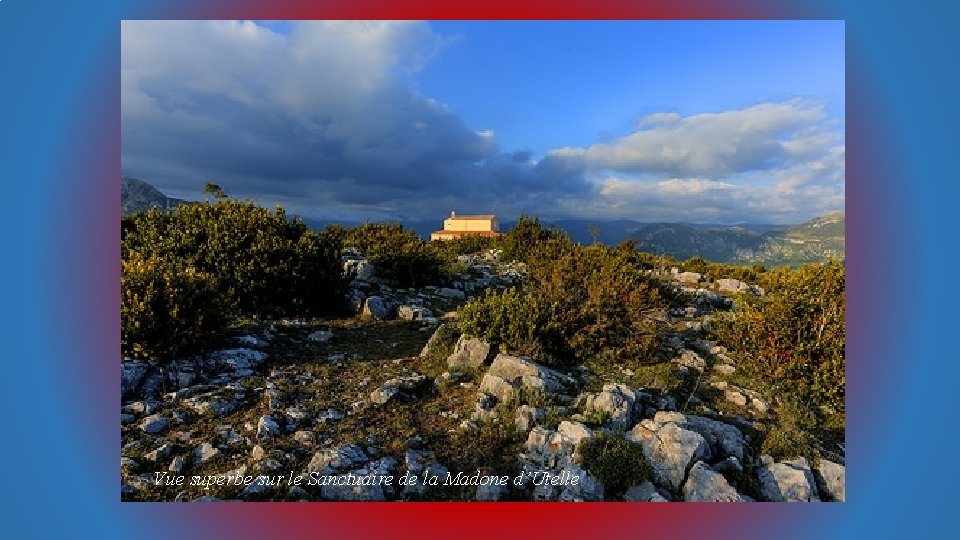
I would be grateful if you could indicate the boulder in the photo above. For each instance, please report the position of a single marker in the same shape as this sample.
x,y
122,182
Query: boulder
x,y
689,277
831,480
618,400
335,460
549,449
217,406
732,286
154,424
131,376
413,313
419,462
364,270
724,440
645,492
384,395
377,308
498,387
204,452
161,453
267,429
469,352
669,450
509,375
234,359
706,485
788,481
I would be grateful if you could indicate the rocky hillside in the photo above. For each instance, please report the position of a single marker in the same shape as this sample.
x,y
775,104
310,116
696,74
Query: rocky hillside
x,y
817,240
139,196
395,392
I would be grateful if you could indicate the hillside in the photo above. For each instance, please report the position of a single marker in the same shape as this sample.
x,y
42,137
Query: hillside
x,y
817,240
139,196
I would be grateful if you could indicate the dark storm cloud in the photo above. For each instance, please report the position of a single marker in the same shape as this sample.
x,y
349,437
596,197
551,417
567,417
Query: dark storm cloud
x,y
275,117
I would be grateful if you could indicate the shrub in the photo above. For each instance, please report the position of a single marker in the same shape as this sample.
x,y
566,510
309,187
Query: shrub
x,y
398,254
601,303
529,240
264,262
583,304
465,245
616,462
794,336
521,323
596,417
166,309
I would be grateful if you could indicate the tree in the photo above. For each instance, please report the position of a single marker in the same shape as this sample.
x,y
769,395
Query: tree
x,y
214,189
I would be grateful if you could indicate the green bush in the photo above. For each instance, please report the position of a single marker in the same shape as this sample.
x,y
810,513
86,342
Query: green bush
x,y
616,462
529,241
580,304
601,303
265,263
794,337
398,254
166,309
465,245
519,322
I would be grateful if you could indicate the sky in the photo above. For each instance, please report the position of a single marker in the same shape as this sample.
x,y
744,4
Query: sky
x,y
678,121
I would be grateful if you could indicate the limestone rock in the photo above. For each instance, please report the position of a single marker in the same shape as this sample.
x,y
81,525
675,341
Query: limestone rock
x,y
241,358
383,395
527,416
377,308
689,277
509,375
618,400
267,429
334,460
204,452
732,285
706,485
469,352
669,450
413,313
161,453
154,424
645,492
788,481
724,440
131,376
832,480
691,359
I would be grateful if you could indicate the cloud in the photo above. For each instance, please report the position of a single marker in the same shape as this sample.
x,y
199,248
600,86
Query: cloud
x,y
323,118
708,144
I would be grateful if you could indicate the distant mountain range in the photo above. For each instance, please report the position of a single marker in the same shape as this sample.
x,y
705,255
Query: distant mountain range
x,y
814,241
817,240
139,196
